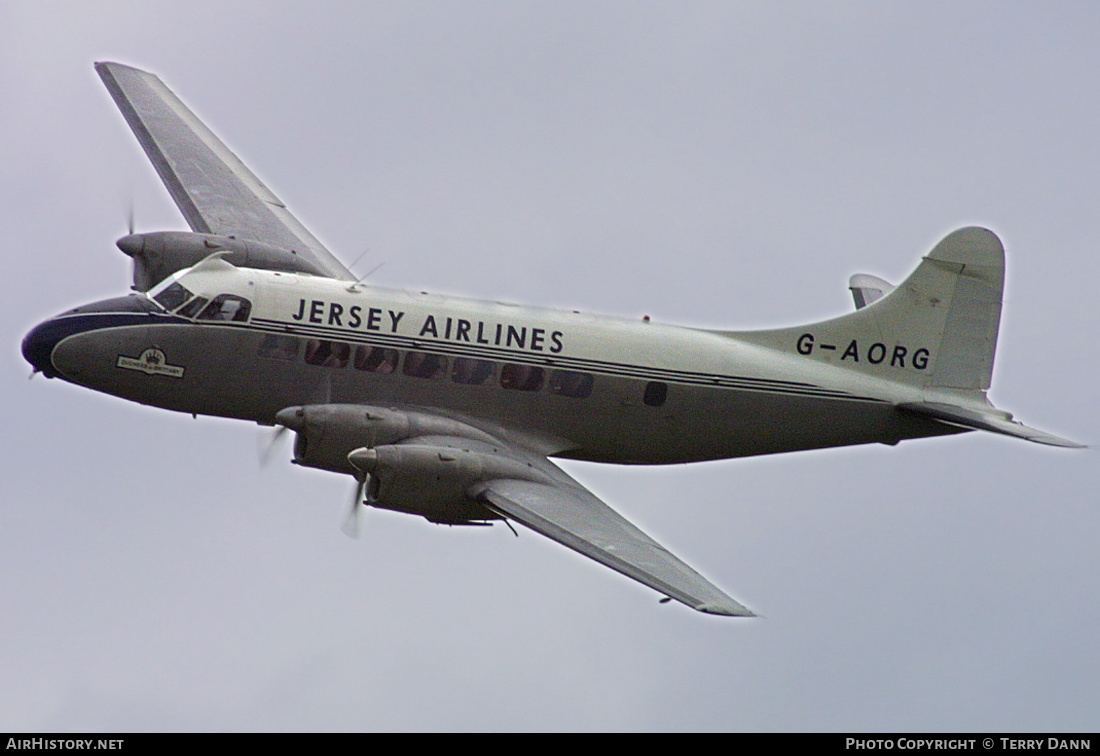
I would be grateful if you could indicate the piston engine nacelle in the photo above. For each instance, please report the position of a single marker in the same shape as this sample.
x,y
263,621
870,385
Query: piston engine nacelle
x,y
159,254
401,457
439,482
327,433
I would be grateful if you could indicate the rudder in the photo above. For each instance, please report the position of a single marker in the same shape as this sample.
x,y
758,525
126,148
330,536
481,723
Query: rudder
x,y
969,341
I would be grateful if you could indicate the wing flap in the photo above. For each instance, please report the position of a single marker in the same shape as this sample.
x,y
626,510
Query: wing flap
x,y
214,190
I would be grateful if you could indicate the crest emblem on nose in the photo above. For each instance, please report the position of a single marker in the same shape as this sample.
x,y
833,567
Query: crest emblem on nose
x,y
151,362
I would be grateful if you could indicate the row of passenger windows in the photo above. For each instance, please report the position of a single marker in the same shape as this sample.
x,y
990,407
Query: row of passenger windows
x,y
464,370
337,354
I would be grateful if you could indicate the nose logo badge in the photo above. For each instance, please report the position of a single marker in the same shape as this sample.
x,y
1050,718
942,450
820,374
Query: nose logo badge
x,y
151,362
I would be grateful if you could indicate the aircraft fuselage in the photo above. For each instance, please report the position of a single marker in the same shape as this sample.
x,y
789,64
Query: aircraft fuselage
x,y
580,385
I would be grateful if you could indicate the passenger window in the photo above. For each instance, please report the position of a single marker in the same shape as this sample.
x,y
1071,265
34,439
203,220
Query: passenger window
x,y
191,309
375,359
332,354
571,383
276,347
655,393
521,377
423,365
227,307
173,297
470,371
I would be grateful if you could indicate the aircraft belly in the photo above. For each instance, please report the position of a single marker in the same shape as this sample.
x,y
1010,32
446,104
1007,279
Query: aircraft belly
x,y
700,424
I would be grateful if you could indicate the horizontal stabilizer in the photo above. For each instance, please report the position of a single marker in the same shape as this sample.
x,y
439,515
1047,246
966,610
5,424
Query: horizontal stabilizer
x,y
993,421
867,289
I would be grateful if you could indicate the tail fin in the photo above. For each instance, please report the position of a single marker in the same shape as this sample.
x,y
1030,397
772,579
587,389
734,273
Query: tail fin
x,y
937,331
938,328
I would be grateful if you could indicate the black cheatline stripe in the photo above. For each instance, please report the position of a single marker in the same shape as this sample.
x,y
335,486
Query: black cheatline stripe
x,y
497,352
638,372
626,370
607,368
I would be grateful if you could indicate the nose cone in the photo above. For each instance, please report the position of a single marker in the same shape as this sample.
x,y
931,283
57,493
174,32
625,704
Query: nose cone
x,y
38,347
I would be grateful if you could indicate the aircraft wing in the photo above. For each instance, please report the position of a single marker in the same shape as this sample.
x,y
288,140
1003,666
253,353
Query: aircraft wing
x,y
214,190
527,487
574,517
418,455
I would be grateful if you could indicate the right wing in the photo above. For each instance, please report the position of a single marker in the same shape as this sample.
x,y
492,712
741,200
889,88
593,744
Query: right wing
x,y
214,190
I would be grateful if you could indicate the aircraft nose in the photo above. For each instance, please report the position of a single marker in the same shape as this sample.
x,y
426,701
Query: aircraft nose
x,y
38,347
39,344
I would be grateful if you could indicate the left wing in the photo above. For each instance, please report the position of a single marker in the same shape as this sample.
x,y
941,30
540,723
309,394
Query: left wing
x,y
525,486
572,515
214,190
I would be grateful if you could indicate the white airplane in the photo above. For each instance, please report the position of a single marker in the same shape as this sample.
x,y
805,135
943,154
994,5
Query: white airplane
x,y
451,408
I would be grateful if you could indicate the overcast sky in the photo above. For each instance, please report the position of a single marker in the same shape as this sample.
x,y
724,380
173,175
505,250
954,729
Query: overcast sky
x,y
712,164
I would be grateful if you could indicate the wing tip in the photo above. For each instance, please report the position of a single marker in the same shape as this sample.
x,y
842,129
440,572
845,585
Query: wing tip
x,y
106,67
101,64
732,609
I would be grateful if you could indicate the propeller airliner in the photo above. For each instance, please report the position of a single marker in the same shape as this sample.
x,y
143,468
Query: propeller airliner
x,y
451,408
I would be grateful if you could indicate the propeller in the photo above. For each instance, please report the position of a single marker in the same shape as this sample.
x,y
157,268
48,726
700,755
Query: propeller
x,y
265,449
351,521
364,460
133,245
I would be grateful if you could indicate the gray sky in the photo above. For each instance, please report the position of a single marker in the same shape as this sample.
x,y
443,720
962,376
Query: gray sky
x,y
712,164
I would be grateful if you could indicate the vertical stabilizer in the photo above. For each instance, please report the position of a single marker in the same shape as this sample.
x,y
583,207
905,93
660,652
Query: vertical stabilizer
x,y
938,328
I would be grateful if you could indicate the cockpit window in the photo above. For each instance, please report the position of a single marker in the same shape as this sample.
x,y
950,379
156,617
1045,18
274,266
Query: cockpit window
x,y
227,307
191,309
173,297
